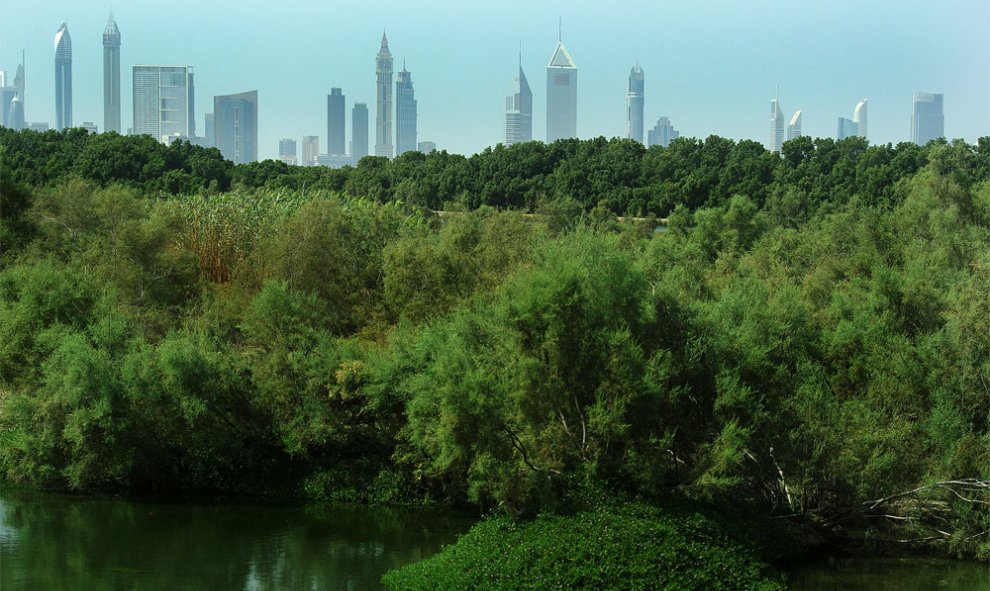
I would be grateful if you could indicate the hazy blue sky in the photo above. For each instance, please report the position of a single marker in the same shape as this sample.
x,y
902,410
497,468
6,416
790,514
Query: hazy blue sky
x,y
711,65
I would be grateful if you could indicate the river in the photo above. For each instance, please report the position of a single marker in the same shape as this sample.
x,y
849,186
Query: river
x,y
54,542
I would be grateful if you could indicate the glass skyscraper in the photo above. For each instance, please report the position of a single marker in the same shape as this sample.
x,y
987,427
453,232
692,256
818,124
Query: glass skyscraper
x,y
634,104
359,131
846,128
336,135
662,133
405,113
63,78
111,76
561,95
235,126
519,111
383,118
927,120
859,118
794,127
776,124
164,102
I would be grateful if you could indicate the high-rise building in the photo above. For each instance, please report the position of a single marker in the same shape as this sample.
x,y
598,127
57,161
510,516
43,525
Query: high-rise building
x,y
210,130
164,102
111,76
287,151
634,104
359,129
90,127
519,110
405,113
794,127
662,133
927,120
63,78
561,95
427,147
310,150
19,80
846,128
15,114
383,118
336,136
859,118
776,124
7,96
235,126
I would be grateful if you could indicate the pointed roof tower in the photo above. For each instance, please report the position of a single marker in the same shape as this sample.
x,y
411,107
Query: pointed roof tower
x,y
111,35
384,52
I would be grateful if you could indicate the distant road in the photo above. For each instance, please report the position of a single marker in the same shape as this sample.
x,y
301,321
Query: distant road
x,y
660,221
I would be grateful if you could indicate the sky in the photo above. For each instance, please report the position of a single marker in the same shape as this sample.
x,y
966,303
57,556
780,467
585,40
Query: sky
x,y
711,66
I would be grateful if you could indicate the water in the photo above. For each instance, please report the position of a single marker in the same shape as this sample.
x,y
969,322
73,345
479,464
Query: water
x,y
65,542
62,542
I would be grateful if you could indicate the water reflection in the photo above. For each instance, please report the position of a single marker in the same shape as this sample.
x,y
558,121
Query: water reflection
x,y
58,542
902,574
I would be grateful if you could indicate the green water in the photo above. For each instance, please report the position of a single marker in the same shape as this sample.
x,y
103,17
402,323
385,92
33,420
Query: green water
x,y
53,542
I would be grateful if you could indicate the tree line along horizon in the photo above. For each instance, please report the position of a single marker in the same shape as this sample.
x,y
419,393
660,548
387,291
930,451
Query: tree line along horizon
x,y
809,336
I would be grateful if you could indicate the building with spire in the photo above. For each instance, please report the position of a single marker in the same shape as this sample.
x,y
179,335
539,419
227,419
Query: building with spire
x,y
776,124
336,136
519,110
235,126
405,113
634,104
561,94
383,118
859,118
164,102
359,132
794,127
63,78
8,94
111,76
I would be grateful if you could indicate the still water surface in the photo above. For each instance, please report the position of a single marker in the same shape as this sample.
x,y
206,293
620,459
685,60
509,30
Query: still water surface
x,y
66,542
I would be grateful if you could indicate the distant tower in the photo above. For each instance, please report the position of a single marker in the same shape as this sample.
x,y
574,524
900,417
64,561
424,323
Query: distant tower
x,y
19,80
63,78
210,130
846,128
383,120
359,129
519,110
287,151
776,124
662,133
561,94
336,138
405,113
794,127
859,118
634,105
15,115
164,102
310,150
235,126
111,76
927,120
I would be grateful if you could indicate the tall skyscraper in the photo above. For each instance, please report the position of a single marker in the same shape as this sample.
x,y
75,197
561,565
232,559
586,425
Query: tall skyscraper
x,y
846,128
235,126
927,120
859,118
794,127
310,150
19,79
210,130
383,118
111,76
405,113
776,124
519,110
63,78
164,102
15,114
359,129
8,94
634,104
336,137
287,151
561,94
662,133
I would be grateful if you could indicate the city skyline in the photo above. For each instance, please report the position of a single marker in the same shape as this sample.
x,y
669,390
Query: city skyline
x,y
467,116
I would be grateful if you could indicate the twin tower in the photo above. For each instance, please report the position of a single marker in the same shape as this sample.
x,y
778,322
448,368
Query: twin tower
x,y
561,101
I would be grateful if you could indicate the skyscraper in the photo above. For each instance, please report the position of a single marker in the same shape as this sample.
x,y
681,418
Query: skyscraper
x,y
794,127
164,102
310,150
519,110
15,114
634,104
859,118
111,76
359,129
561,95
662,133
776,124
336,137
210,130
405,113
287,151
63,78
19,79
846,128
235,126
383,118
927,120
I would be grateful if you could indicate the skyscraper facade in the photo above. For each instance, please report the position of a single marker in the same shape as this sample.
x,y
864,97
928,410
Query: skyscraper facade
x,y
336,136
287,150
164,102
859,118
383,118
15,114
561,95
927,120
63,78
405,113
776,125
662,133
519,111
111,76
359,129
209,130
634,104
235,126
794,127
846,128
310,150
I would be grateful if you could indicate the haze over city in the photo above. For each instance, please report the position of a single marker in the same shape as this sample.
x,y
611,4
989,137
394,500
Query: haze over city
x,y
710,66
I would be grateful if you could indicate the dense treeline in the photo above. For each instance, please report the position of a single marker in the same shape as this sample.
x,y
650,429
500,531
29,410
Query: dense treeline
x,y
811,338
